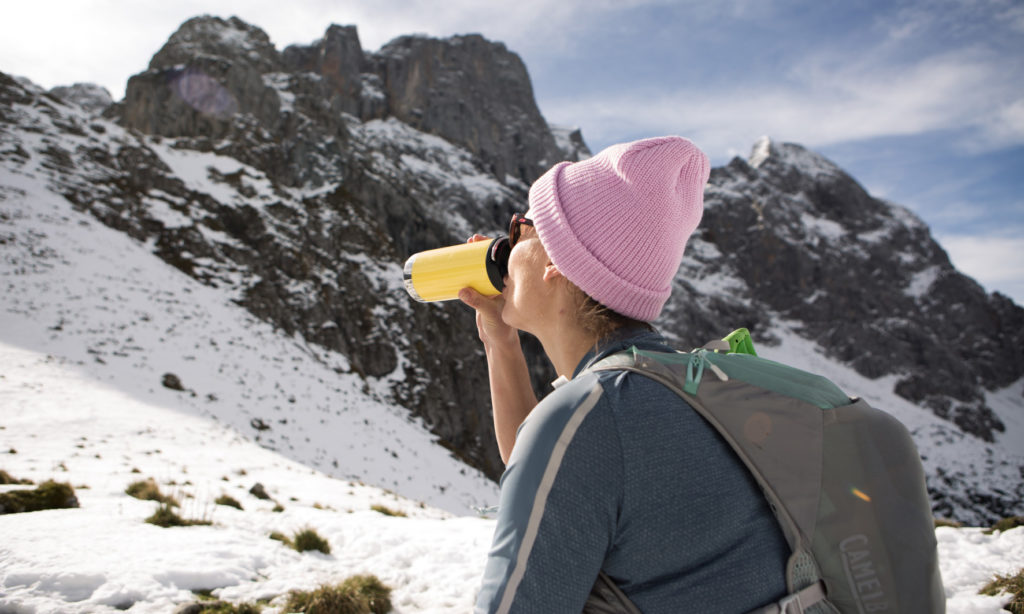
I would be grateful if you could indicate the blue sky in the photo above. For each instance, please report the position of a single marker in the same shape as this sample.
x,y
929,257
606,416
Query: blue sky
x,y
922,102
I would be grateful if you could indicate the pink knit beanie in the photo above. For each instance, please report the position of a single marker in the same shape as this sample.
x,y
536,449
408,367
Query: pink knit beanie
x,y
616,224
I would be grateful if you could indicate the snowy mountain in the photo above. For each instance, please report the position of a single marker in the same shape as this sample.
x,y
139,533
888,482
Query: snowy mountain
x,y
240,219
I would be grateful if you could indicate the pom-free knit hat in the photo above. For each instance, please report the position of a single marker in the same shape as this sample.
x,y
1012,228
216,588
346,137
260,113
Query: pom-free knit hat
x,y
616,224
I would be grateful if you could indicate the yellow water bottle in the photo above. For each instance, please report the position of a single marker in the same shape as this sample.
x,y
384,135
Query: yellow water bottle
x,y
439,274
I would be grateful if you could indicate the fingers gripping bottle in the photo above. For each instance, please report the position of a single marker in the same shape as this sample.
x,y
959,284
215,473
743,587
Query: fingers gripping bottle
x,y
439,274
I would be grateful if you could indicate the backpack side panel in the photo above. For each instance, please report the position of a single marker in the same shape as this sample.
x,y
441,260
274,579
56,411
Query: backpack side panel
x,y
875,539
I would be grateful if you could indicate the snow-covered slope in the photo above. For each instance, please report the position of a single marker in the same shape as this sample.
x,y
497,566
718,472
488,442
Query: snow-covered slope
x,y
60,421
79,290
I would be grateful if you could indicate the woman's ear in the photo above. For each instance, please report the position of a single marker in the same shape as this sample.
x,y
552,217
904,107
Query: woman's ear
x,y
551,271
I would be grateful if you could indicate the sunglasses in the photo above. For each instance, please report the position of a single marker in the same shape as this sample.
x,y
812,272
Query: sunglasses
x,y
515,228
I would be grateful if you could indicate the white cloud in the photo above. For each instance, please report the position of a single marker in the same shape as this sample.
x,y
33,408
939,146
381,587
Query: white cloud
x,y
1004,127
1014,16
822,103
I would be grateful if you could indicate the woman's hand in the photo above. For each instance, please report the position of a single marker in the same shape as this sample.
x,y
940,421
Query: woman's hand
x,y
512,396
492,329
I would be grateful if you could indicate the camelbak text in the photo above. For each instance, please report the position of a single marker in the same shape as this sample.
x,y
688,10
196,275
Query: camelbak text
x,y
860,571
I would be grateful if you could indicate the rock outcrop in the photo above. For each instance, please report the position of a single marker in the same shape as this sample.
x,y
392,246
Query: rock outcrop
x,y
95,99
472,92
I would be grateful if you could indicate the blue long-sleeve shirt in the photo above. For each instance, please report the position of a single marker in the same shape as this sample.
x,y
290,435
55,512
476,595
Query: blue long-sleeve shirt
x,y
614,472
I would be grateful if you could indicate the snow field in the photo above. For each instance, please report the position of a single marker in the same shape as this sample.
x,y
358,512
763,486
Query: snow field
x,y
59,423
64,424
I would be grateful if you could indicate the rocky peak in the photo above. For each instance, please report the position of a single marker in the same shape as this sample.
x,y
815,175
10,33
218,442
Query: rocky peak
x,y
793,156
570,143
89,96
338,59
208,36
830,192
474,93
206,81
220,81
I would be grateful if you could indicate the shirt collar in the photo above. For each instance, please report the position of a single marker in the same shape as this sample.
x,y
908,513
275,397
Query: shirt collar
x,y
619,340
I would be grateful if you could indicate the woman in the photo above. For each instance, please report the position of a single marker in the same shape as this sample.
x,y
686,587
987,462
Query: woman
x,y
615,489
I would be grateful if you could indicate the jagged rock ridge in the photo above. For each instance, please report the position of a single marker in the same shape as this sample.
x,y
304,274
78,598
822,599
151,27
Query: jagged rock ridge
x,y
333,164
866,281
474,93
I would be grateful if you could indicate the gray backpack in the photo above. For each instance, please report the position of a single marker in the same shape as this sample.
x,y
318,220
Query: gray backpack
x,y
844,480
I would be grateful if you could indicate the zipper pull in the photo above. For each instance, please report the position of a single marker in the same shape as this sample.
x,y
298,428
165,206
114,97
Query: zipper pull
x,y
696,363
695,371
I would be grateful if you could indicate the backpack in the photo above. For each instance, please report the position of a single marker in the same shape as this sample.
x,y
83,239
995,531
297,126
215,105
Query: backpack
x,y
843,479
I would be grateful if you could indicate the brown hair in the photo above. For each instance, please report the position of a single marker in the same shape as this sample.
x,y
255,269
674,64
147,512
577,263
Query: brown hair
x,y
598,320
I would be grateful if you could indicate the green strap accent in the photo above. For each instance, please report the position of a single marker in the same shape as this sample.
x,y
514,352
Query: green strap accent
x,y
693,379
740,342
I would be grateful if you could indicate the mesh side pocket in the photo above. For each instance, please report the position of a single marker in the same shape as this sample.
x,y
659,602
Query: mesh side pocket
x,y
802,571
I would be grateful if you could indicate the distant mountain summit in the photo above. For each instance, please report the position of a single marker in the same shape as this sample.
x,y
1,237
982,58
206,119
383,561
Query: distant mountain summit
x,y
298,181
93,98
866,281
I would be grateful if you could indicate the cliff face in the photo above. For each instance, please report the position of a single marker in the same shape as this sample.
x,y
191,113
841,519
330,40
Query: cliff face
x,y
298,181
474,93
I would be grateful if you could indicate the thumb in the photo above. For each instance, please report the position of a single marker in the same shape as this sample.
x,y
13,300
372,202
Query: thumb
x,y
471,297
489,306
